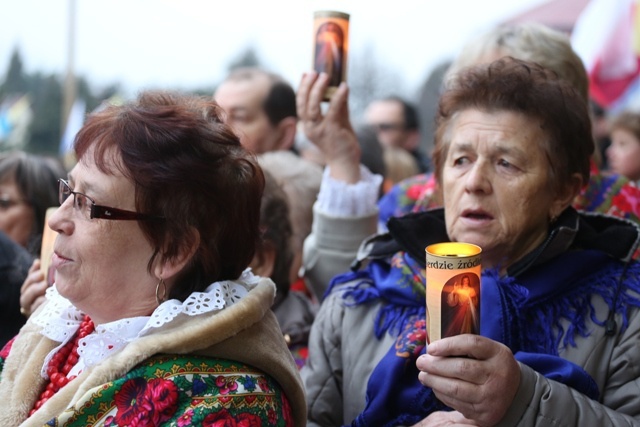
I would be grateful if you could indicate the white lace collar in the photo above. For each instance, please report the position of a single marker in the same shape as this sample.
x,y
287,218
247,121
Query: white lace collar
x,y
60,320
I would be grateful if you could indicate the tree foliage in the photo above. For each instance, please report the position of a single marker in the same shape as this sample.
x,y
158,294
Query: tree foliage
x,y
247,58
16,80
368,78
46,101
45,92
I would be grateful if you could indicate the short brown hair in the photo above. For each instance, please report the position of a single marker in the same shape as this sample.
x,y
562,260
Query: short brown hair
x,y
276,232
187,166
280,101
513,85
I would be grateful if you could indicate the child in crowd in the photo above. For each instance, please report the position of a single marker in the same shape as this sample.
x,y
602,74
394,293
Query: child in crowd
x,y
624,152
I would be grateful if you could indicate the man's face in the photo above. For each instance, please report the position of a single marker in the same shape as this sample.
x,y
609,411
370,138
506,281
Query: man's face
x,y
242,101
388,120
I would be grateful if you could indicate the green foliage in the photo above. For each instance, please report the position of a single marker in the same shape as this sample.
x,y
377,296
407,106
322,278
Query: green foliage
x,y
368,79
15,81
46,96
46,102
247,58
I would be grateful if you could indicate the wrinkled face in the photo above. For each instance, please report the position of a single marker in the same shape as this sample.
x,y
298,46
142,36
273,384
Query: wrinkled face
x,y
242,102
388,120
496,185
101,265
16,214
624,154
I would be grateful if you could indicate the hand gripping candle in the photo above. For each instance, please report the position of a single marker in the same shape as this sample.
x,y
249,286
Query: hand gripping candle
x,y
331,45
453,289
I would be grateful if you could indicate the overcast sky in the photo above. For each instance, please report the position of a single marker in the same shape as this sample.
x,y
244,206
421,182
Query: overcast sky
x,y
189,43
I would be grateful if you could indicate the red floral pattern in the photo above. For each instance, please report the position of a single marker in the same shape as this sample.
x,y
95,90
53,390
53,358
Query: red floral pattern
x,y
184,391
185,419
4,353
412,339
627,200
286,412
224,419
226,384
145,403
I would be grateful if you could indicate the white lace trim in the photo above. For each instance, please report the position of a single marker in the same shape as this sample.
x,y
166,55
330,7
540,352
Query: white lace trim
x,y
340,199
60,320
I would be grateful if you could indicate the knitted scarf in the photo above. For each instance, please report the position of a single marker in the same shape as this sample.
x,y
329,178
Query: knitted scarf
x,y
516,312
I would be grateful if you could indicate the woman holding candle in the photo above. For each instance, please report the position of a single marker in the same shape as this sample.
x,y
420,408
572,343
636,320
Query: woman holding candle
x,y
560,294
354,218
153,318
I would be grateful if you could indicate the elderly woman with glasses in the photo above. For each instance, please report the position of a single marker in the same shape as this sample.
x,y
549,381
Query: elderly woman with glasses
x,y
154,317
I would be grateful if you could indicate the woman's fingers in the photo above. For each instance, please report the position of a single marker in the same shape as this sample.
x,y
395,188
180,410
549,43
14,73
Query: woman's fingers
x,y
35,267
338,106
475,375
302,95
32,290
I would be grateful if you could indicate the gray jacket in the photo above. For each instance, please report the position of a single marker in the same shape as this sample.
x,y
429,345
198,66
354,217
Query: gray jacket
x,y
338,369
332,246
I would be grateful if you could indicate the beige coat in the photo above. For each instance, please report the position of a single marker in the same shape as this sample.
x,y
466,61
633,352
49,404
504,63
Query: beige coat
x,y
246,332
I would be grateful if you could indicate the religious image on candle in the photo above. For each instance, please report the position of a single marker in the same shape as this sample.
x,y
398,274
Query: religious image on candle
x,y
452,289
331,45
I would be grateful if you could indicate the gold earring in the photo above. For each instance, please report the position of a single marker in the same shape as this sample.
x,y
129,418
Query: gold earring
x,y
160,299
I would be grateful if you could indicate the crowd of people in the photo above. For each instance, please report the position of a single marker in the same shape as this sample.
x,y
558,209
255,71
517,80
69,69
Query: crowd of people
x,y
257,257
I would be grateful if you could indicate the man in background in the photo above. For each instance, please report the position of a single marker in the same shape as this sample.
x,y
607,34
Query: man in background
x,y
396,121
261,107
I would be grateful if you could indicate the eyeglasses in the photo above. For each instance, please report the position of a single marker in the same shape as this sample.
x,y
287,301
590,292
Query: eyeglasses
x,y
87,206
385,127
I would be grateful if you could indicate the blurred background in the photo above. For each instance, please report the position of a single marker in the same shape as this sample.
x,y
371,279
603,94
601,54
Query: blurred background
x,y
60,59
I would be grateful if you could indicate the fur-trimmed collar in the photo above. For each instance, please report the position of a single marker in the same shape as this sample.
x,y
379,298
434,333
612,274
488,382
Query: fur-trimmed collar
x,y
246,332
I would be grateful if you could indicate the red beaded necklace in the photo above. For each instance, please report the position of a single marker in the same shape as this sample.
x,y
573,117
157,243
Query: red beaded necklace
x,y
62,362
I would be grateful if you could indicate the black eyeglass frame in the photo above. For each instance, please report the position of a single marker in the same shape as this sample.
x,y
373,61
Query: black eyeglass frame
x,y
385,127
99,211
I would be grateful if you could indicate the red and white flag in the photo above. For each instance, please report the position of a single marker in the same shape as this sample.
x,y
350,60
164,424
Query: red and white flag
x,y
605,36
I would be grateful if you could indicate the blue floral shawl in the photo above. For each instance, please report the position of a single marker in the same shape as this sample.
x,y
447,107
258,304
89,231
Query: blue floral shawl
x,y
516,311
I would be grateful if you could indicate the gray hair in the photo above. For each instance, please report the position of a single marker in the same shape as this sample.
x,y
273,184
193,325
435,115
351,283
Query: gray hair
x,y
529,42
